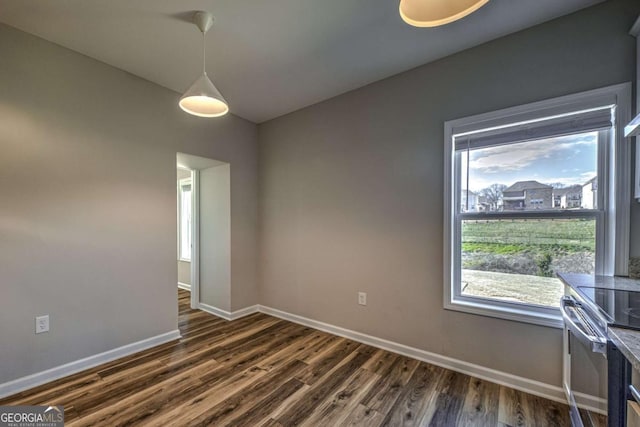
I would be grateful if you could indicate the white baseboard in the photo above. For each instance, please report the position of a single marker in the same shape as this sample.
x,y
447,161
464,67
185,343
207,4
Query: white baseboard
x,y
228,315
34,380
245,312
184,286
591,403
526,385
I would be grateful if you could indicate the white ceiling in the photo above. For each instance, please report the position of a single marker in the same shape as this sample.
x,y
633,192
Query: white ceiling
x,y
267,57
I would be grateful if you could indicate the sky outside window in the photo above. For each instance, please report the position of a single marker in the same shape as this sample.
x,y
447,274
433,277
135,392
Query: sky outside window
x,y
560,161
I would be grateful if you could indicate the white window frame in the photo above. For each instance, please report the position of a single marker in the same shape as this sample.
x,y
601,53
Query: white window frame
x,y
612,246
181,183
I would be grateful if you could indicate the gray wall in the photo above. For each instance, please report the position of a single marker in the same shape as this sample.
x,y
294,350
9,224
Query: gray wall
x,y
88,179
215,238
184,267
351,189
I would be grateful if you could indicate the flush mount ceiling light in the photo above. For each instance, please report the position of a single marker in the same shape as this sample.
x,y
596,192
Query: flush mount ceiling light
x,y
202,98
432,13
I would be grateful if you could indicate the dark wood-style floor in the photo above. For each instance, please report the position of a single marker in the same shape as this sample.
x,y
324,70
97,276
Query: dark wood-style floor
x,y
262,371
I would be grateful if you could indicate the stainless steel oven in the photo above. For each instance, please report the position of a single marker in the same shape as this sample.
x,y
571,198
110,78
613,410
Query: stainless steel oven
x,y
592,364
584,359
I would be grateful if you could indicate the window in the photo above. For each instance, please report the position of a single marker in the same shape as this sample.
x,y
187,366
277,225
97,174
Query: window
x,y
184,219
533,191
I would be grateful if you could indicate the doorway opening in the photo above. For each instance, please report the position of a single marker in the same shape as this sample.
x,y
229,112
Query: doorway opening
x,y
185,220
204,233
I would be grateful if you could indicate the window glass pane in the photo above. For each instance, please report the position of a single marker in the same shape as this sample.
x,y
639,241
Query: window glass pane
x,y
516,260
185,222
545,174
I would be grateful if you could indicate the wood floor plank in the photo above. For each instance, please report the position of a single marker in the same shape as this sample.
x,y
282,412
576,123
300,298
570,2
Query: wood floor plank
x,y
363,417
108,394
450,392
337,407
268,338
264,371
548,413
381,362
234,406
47,395
298,349
417,399
481,404
514,408
271,423
208,379
392,381
325,361
130,407
265,407
187,413
108,391
328,341
521,409
321,389
290,401
113,389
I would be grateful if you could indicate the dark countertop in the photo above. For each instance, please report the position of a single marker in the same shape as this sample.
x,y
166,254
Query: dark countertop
x,y
627,340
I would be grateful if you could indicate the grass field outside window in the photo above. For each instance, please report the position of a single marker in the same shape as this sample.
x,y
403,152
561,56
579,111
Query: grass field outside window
x,y
516,259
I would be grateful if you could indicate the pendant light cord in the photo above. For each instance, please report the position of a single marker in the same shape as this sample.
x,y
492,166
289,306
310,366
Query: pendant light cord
x,y
204,53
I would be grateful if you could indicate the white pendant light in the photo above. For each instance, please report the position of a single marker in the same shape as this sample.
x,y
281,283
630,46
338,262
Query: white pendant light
x,y
432,13
202,98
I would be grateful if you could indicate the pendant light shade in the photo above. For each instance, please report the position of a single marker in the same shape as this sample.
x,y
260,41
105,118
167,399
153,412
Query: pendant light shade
x,y
432,13
203,99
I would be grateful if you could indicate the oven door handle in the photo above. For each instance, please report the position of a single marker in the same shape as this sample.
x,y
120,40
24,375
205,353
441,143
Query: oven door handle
x,y
596,343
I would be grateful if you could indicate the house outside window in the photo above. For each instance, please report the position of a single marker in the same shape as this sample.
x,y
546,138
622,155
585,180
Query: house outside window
x,y
567,197
527,195
469,201
589,194
523,203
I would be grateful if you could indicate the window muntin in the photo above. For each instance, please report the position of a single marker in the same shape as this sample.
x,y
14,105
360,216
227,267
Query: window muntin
x,y
184,226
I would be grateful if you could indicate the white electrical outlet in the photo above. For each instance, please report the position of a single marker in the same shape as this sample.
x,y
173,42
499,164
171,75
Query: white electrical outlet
x,y
362,298
42,324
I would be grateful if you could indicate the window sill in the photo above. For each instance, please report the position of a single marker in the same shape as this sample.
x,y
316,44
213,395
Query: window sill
x,y
507,313
184,260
